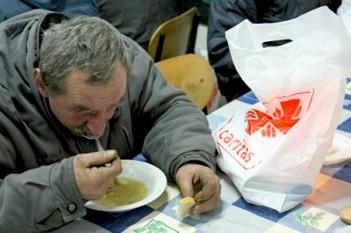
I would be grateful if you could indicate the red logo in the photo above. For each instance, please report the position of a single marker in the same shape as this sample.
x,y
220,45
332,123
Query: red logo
x,y
286,111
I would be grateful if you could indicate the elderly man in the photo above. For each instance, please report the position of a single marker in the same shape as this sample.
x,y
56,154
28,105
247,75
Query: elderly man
x,y
64,82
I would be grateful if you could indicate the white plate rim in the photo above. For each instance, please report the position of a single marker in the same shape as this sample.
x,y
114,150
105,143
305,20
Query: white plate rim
x,y
161,185
340,143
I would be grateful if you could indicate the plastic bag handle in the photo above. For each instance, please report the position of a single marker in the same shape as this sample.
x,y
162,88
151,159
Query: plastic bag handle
x,y
292,29
275,43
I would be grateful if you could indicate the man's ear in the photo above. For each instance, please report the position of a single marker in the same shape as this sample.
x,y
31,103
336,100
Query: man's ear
x,y
39,82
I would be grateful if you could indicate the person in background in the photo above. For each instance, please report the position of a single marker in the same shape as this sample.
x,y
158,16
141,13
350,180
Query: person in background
x,y
65,82
225,14
10,8
137,19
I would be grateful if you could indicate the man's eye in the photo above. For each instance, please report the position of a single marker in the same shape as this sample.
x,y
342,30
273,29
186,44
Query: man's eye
x,y
91,114
85,113
113,108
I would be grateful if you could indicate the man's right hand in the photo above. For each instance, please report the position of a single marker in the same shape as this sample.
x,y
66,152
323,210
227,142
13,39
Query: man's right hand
x,y
92,177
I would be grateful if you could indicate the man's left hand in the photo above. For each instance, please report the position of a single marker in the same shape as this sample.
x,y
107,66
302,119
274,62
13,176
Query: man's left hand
x,y
201,183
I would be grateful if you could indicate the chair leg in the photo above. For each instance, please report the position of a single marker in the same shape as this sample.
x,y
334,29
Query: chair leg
x,y
204,110
193,33
159,48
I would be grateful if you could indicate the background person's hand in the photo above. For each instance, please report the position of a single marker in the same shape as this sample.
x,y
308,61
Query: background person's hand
x,y
92,177
201,183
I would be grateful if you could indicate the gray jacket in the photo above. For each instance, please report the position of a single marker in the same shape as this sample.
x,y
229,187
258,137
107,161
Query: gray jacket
x,y
137,19
38,191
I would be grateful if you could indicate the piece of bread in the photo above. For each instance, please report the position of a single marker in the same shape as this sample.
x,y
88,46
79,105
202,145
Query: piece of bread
x,y
345,214
184,206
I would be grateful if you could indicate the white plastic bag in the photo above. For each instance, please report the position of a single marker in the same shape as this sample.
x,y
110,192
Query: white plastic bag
x,y
345,12
274,152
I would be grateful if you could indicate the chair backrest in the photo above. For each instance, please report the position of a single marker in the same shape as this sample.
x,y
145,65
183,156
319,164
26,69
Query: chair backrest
x,y
191,73
175,36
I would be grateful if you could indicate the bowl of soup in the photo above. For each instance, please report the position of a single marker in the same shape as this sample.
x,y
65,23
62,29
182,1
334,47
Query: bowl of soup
x,y
139,184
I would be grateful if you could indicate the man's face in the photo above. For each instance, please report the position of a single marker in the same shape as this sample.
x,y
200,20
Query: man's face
x,y
84,109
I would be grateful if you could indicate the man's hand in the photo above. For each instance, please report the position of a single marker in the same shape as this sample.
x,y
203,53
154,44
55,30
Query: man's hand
x,y
202,183
92,177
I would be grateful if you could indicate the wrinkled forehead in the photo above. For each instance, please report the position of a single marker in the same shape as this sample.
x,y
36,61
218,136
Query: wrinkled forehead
x,y
92,95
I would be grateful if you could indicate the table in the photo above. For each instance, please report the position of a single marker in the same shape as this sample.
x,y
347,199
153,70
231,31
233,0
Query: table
x,y
318,213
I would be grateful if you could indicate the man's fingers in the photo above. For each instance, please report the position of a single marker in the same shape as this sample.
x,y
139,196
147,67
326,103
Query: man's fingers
x,y
208,192
185,183
201,183
115,168
207,198
112,170
92,177
97,158
206,206
209,187
186,188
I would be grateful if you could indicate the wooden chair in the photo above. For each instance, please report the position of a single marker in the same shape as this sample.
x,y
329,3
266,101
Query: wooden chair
x,y
175,36
191,73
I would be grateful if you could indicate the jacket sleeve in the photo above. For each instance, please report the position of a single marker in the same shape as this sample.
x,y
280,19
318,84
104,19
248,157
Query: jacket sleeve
x,y
175,131
38,199
223,15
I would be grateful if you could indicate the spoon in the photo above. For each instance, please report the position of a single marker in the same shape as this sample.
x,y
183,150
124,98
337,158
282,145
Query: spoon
x,y
101,150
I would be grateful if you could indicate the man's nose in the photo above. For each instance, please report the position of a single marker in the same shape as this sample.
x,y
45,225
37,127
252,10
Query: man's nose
x,y
97,124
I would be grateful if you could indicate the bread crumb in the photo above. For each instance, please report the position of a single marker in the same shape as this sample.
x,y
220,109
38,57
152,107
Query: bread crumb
x,y
184,206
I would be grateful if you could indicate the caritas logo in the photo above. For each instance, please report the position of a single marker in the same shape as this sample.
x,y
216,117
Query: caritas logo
x,y
262,129
283,113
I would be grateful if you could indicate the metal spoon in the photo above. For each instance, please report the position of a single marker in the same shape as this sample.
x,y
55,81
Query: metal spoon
x,y
101,150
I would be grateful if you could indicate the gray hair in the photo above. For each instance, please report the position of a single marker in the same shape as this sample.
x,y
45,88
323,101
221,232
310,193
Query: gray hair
x,y
86,44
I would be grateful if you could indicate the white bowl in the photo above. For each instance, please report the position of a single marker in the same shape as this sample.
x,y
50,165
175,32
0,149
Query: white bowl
x,y
152,177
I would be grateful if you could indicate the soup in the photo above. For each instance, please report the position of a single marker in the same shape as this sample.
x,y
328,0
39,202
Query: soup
x,y
124,191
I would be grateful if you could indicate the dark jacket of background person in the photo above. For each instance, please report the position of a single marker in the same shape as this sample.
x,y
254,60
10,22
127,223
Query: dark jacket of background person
x,y
36,177
10,8
137,19
225,14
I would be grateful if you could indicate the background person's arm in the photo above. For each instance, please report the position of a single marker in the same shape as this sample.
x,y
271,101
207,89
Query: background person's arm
x,y
223,15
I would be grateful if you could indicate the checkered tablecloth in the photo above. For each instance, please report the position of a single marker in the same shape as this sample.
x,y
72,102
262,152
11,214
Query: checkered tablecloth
x,y
318,213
